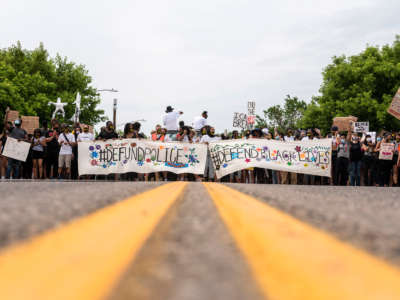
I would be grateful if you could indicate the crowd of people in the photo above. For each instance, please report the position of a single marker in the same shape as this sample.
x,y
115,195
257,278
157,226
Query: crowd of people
x,y
54,155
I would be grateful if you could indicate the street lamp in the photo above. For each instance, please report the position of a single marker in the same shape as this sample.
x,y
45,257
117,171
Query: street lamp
x,y
114,104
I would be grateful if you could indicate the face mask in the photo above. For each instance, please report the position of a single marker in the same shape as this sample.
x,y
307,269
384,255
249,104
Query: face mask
x,y
369,140
379,139
86,130
342,141
277,138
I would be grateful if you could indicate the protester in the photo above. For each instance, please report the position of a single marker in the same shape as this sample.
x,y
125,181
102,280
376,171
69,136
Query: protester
x,y
343,156
368,160
38,144
53,149
199,122
384,166
108,133
13,165
170,121
209,173
355,160
67,141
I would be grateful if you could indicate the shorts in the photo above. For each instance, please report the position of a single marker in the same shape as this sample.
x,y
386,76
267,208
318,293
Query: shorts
x,y
64,159
37,154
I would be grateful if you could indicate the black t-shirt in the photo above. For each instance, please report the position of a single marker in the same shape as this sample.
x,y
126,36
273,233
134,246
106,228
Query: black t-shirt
x,y
107,135
355,151
53,145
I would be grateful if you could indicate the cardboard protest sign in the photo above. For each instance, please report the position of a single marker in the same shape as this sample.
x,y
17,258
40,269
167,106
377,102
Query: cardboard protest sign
x,y
12,115
394,108
30,123
308,157
16,150
386,152
240,120
140,156
361,127
344,123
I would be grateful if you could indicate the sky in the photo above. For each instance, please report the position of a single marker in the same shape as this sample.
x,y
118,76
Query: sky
x,y
212,55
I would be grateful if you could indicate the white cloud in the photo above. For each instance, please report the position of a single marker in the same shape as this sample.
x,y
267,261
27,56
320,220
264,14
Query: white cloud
x,y
197,55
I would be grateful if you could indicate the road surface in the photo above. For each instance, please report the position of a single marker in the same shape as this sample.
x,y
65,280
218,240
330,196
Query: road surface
x,y
120,240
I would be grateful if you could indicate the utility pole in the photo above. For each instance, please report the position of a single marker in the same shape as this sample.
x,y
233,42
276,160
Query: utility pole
x,y
115,113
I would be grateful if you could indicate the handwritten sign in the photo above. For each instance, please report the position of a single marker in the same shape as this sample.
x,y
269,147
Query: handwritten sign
x,y
373,135
16,150
251,108
12,115
386,152
30,123
343,123
308,157
240,120
361,127
251,119
140,156
394,108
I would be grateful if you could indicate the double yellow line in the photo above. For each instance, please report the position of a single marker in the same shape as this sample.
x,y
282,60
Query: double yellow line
x,y
84,259
289,260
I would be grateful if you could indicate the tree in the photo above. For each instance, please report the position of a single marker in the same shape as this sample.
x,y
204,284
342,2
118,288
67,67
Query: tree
x,y
29,80
362,85
284,117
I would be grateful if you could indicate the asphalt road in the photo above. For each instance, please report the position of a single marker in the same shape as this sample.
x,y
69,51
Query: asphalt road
x,y
191,254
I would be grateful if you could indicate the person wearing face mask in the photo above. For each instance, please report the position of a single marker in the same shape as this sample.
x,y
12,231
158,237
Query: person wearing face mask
x,y
355,160
20,135
209,172
384,166
108,133
368,161
157,135
38,144
67,141
396,159
343,155
53,150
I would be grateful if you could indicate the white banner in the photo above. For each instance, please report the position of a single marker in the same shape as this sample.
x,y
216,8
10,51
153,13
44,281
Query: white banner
x,y
308,157
16,150
140,156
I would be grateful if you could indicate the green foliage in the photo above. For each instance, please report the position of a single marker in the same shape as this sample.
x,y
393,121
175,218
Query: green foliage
x,y
284,117
362,85
29,80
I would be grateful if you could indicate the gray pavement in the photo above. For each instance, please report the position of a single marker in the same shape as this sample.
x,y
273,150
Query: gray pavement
x,y
191,255
28,208
367,217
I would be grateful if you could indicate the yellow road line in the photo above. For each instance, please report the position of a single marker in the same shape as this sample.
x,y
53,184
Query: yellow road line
x,y
291,260
85,258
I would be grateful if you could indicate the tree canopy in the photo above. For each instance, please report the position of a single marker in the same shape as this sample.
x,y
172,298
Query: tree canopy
x,y
29,80
283,118
361,85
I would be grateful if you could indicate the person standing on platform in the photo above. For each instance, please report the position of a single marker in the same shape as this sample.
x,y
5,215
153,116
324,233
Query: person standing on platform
x,y
170,121
199,122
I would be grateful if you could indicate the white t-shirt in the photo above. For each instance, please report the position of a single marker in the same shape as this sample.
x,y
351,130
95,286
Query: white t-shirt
x,y
289,138
170,120
66,149
199,123
83,137
206,138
